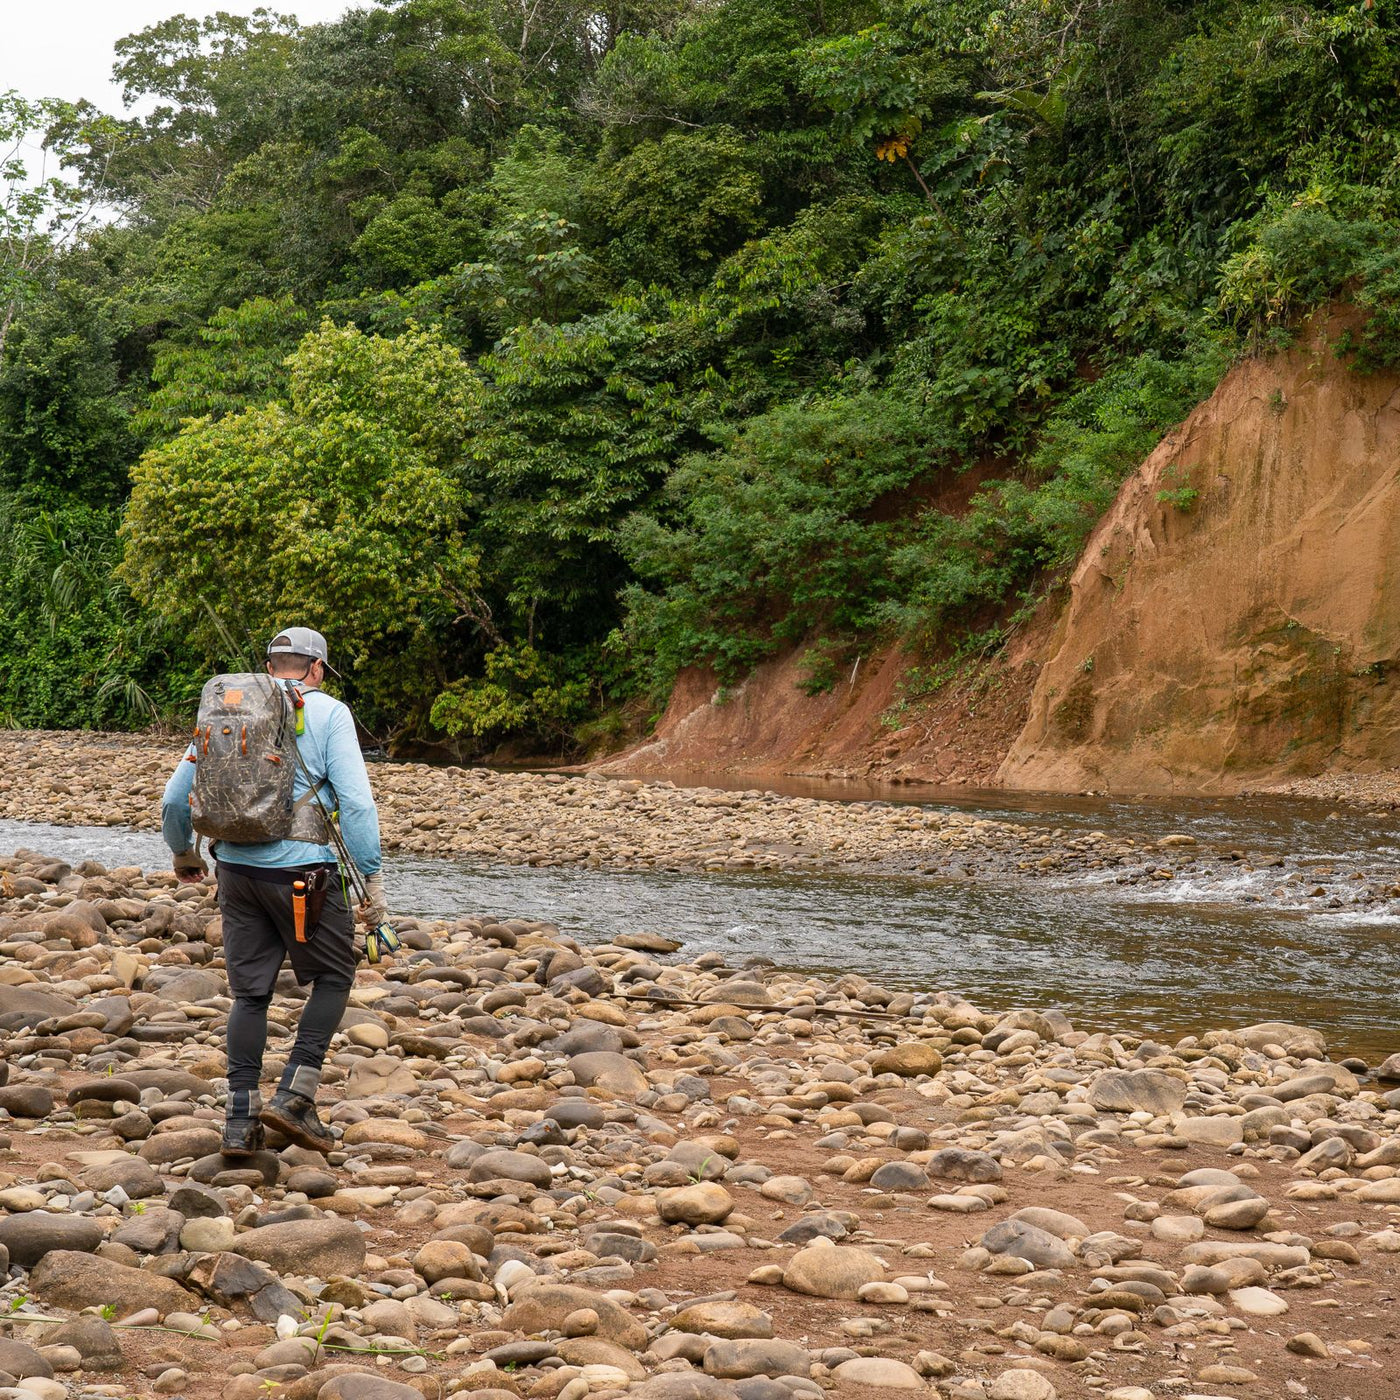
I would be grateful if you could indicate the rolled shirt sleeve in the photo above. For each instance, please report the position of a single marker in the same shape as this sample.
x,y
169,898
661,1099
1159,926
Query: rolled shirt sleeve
x,y
175,824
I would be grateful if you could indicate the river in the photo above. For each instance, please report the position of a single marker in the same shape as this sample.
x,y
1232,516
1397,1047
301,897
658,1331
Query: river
x,y
1154,959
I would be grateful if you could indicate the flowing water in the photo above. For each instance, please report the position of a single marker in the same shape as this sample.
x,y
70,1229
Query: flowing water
x,y
1227,948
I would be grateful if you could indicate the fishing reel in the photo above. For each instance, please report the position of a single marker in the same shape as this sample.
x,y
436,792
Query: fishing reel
x,y
381,942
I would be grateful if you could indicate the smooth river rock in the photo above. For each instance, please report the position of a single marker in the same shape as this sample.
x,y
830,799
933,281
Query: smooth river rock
x,y
834,1271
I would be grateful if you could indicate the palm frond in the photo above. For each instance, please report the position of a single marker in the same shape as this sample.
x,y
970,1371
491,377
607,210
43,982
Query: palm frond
x,y
236,652
132,697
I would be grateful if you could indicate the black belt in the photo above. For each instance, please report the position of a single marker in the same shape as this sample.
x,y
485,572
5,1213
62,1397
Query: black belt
x,y
274,874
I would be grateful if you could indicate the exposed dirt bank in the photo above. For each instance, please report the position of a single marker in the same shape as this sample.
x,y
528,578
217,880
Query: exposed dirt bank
x,y
866,726
726,1190
1250,637
1233,623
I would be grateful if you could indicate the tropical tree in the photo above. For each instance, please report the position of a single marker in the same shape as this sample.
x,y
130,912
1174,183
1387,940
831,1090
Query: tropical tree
x,y
341,505
41,212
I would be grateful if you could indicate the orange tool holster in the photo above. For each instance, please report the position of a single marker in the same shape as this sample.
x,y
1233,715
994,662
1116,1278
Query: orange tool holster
x,y
299,909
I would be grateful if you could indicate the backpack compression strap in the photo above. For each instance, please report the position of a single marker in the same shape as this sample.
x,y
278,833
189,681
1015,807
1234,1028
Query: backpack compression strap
x,y
309,795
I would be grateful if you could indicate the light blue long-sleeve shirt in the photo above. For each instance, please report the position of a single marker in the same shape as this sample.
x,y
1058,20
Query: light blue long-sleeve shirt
x,y
330,750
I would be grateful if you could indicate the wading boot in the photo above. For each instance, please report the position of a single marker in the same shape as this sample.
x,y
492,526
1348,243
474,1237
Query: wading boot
x,y
294,1116
242,1137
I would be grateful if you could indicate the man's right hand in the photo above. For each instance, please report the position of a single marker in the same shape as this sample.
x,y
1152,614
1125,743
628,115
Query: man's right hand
x,y
190,869
375,908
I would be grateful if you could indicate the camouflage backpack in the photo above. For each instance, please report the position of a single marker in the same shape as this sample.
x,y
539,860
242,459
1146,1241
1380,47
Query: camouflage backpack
x,y
245,757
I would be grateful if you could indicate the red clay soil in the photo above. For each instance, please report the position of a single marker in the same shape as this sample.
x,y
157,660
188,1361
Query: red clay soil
x,y
1245,633
881,722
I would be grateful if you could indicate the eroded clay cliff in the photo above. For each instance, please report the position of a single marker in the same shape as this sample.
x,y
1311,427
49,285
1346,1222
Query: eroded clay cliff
x,y
865,726
1250,634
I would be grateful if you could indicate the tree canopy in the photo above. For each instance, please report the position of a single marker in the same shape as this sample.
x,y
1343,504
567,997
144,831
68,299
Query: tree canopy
x,y
536,351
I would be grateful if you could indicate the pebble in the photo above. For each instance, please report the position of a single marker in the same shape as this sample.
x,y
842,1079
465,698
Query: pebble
x,y
907,1060
1178,1229
31,1234
726,1320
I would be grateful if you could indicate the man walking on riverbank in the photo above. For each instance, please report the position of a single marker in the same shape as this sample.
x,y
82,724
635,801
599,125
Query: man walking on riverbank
x,y
259,886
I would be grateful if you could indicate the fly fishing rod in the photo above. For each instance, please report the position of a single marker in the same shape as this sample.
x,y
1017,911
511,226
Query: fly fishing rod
x,y
381,939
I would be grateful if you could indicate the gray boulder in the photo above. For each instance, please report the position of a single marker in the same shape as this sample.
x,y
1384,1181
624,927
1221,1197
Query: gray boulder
x,y
319,1247
1137,1091
31,1234
1021,1240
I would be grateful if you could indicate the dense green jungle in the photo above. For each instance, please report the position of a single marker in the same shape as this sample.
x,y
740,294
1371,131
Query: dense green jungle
x,y
534,351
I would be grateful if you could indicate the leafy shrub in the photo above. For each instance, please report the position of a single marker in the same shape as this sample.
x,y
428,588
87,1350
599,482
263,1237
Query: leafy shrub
x,y
778,532
1297,257
821,666
65,425
235,360
675,204
341,508
1298,254
1014,531
520,691
975,366
75,649
1378,343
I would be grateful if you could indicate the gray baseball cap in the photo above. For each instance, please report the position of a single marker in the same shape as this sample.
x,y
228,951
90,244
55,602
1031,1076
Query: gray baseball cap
x,y
301,641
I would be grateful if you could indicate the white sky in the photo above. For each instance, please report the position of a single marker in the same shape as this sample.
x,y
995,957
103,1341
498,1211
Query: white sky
x,y
63,48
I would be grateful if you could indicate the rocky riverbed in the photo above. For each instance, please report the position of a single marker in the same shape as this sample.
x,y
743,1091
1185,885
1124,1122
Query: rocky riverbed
x,y
570,1171
573,820
1379,790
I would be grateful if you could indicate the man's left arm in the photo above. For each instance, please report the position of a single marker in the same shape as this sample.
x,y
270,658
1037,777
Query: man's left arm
x,y
175,824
